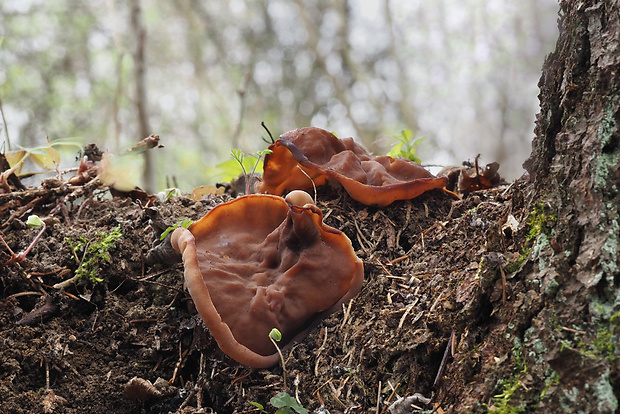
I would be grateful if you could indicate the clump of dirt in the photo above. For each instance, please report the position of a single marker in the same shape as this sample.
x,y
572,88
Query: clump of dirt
x,y
438,313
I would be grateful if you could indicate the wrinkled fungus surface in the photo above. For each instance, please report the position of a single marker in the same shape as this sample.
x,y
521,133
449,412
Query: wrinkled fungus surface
x,y
371,180
261,262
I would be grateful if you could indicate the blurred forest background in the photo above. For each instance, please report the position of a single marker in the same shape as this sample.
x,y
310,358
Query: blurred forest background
x,y
203,75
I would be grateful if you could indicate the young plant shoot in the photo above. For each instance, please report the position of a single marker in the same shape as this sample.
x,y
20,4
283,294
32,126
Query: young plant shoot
x,y
33,221
276,336
240,157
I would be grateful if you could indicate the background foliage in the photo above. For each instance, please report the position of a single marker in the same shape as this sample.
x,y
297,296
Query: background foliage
x,y
461,73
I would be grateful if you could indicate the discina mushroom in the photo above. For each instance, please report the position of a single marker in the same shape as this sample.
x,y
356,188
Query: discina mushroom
x,y
323,157
260,262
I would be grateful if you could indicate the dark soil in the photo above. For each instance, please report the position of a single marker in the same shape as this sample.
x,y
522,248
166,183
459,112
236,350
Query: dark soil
x,y
442,283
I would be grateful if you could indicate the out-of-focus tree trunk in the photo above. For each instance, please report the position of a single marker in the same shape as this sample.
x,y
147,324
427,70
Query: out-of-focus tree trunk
x,y
141,101
407,110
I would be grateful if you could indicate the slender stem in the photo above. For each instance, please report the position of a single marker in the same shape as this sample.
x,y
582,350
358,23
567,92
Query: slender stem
x,y
282,360
6,128
22,255
311,180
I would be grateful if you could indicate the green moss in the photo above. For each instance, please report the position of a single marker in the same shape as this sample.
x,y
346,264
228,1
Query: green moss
x,y
514,266
540,222
502,401
550,381
604,343
480,268
93,253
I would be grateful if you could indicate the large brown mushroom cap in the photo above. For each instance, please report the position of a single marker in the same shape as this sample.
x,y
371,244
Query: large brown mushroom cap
x,y
322,156
257,263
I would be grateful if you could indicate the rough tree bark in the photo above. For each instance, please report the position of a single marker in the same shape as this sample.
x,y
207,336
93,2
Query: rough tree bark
x,y
575,173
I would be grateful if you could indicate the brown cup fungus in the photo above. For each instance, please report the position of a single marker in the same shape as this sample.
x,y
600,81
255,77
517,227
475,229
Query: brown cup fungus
x,y
371,180
261,262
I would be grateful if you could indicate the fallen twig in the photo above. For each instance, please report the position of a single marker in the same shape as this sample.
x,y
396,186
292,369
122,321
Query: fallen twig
x,y
444,360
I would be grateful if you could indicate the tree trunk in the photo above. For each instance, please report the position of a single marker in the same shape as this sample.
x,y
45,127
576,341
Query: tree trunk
x,y
141,95
575,177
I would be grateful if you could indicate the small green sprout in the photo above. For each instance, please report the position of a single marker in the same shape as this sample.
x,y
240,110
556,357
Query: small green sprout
x,y
286,404
240,157
33,221
169,193
276,335
406,146
185,223
283,402
259,407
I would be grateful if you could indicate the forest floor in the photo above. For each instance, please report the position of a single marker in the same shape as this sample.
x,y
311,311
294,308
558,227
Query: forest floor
x,y
442,312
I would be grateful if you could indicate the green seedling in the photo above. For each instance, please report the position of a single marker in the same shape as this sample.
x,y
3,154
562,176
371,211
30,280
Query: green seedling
x,y
94,252
33,221
169,194
45,156
276,336
255,160
286,404
406,146
283,402
259,407
185,223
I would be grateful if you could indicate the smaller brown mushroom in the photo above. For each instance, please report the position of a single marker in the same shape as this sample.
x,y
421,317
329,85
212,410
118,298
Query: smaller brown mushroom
x,y
371,180
260,262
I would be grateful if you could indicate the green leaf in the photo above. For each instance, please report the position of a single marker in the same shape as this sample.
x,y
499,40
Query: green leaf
x,y
258,405
238,155
283,401
275,334
406,146
396,150
407,134
185,223
15,157
34,221
169,193
45,157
